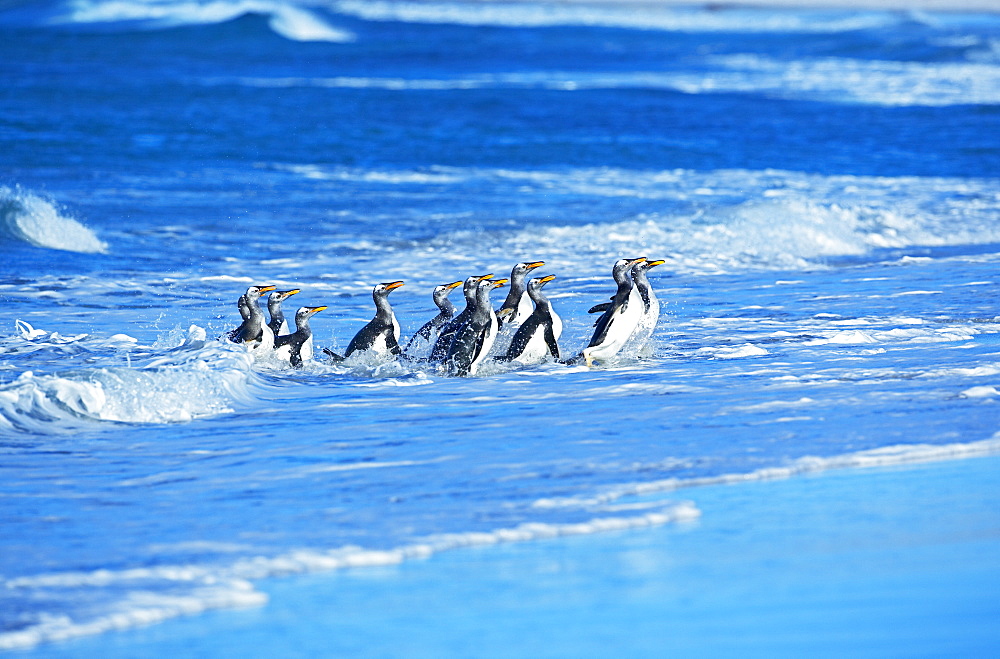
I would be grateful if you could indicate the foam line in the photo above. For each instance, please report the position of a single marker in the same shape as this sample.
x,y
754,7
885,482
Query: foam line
x,y
214,588
886,456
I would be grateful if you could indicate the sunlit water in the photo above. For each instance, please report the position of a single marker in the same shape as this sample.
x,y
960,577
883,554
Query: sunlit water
x,y
822,186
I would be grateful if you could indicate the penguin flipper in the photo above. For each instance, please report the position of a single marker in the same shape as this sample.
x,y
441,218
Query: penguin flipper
x,y
550,341
333,356
602,326
599,308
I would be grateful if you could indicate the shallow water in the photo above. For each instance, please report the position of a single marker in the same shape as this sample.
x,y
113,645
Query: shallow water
x,y
821,185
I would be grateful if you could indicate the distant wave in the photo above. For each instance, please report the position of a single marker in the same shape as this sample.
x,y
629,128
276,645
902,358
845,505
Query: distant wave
x,y
647,17
30,218
292,21
708,222
832,80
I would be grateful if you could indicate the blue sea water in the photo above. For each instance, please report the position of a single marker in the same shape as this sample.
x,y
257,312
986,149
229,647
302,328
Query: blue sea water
x,y
822,185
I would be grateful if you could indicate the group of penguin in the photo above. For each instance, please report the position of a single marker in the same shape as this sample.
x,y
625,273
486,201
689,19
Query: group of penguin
x,y
524,330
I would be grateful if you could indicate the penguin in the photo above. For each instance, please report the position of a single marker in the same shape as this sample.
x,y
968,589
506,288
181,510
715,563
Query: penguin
x,y
297,347
381,335
278,324
420,344
440,350
615,326
517,306
537,336
650,305
252,330
473,341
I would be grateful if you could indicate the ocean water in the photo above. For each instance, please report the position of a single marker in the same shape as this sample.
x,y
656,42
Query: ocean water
x,y
823,186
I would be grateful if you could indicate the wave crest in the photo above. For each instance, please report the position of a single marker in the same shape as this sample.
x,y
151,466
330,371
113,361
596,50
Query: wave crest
x,y
30,218
197,379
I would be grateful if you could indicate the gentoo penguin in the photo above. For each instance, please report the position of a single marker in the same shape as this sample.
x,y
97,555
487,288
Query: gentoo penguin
x,y
420,344
297,347
278,323
381,335
650,305
617,323
444,339
473,341
252,330
517,307
539,334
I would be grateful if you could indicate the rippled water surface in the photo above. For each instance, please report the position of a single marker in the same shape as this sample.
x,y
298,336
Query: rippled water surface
x,y
822,186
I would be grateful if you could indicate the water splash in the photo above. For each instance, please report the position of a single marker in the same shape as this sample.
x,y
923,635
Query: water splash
x,y
25,216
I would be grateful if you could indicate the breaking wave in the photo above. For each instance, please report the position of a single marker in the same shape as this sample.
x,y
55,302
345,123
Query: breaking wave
x,y
196,379
27,217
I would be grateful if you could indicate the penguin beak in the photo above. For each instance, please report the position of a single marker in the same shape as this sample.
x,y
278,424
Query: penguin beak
x,y
499,282
315,310
392,285
482,277
265,289
638,260
454,284
534,264
547,279
291,292
653,264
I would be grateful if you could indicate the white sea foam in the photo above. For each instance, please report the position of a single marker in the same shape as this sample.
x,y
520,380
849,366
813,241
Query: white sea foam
x,y
800,221
293,21
30,218
625,15
195,380
155,594
887,456
837,80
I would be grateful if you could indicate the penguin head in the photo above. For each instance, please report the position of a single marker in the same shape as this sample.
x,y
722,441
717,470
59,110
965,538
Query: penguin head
x,y
472,283
522,269
622,266
307,312
536,283
257,291
387,287
442,291
281,296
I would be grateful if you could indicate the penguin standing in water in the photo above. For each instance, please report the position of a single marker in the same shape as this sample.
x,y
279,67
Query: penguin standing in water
x,y
420,344
650,305
253,331
440,350
473,341
516,307
297,347
616,325
537,336
381,335
278,324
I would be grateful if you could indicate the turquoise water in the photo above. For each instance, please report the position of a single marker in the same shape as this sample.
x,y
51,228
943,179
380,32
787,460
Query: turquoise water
x,y
822,187
877,563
